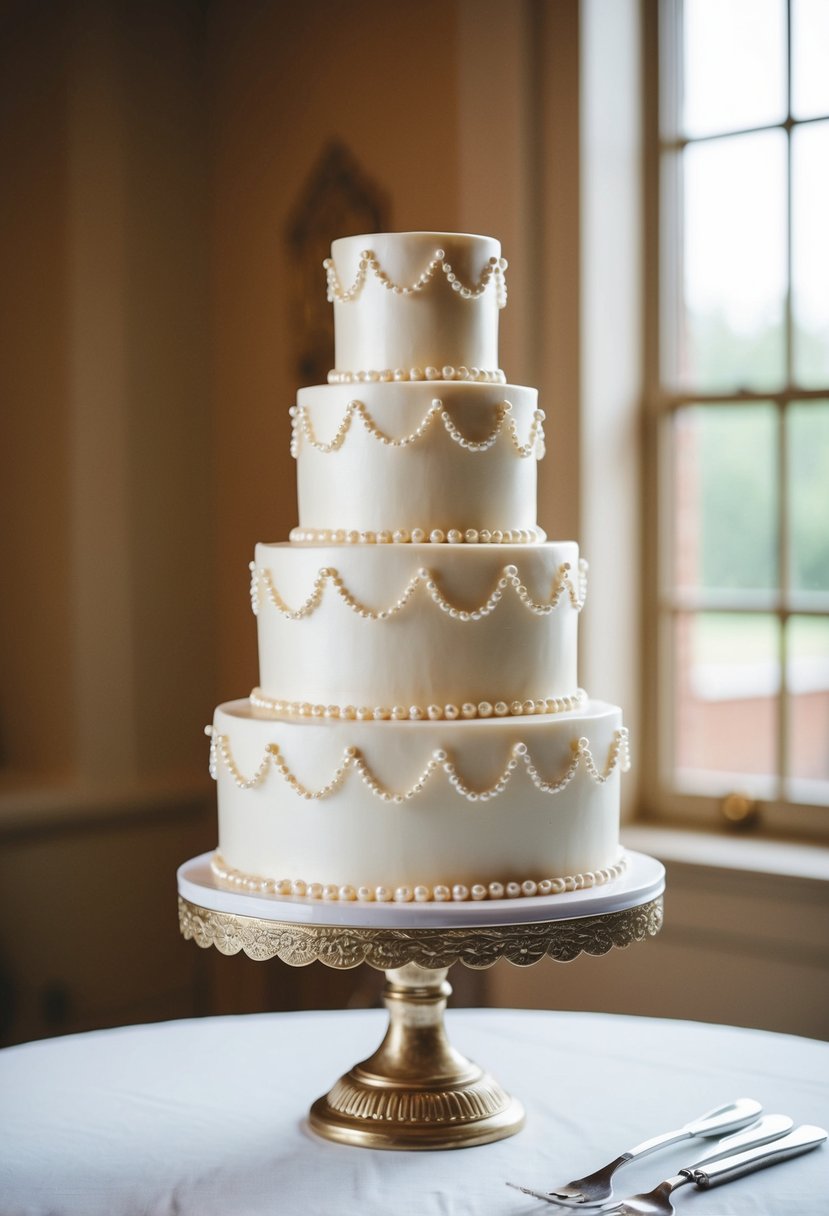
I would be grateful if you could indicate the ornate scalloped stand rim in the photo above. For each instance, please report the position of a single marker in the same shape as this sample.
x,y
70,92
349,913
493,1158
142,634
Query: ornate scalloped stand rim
x,y
416,1091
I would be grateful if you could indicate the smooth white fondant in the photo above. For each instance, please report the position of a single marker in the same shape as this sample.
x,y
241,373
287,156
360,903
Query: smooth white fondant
x,y
434,327
331,779
422,655
432,482
352,836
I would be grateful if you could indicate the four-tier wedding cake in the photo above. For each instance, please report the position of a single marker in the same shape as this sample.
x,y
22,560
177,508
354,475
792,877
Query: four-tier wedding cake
x,y
418,733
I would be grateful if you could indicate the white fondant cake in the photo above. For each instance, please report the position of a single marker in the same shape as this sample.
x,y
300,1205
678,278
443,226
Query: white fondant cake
x,y
418,732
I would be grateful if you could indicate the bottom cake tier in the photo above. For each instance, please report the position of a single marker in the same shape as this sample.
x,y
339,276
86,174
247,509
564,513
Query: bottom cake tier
x,y
428,810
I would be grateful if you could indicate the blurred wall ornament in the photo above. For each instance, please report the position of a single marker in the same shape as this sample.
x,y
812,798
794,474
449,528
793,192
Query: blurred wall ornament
x,y
338,199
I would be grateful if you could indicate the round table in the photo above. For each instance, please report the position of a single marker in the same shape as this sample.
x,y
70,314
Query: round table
x,y
208,1117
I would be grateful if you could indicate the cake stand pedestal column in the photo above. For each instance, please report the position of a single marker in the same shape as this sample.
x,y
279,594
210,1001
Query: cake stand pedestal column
x,y
416,1091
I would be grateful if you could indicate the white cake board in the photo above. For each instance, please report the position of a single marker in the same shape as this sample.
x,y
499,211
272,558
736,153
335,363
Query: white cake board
x,y
642,881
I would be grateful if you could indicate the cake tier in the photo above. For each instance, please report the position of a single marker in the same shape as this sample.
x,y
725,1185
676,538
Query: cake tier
x,y
418,804
416,303
400,457
417,625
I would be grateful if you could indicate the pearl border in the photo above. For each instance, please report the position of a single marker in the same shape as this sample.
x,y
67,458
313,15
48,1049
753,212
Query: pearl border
x,y
580,755
415,713
563,587
418,536
474,375
417,893
493,270
302,428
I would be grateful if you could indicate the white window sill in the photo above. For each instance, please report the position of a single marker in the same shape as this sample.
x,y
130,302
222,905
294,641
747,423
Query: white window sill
x,y
732,851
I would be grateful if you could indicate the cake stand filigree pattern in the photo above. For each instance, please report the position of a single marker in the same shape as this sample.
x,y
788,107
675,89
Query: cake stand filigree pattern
x,y
433,949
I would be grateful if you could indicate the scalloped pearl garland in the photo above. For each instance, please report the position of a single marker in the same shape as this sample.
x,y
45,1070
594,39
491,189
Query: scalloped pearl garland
x,y
418,893
563,585
493,270
418,536
477,375
302,428
417,713
581,755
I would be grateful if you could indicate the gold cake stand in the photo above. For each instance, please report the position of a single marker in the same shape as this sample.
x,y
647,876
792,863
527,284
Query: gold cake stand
x,y
416,1091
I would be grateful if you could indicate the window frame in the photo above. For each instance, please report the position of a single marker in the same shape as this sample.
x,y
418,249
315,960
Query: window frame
x,y
662,80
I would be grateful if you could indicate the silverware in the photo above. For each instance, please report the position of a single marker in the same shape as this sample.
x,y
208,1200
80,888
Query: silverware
x,y
595,1189
658,1201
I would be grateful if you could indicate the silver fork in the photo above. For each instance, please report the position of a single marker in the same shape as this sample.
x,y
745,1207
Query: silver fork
x,y
658,1201
595,1189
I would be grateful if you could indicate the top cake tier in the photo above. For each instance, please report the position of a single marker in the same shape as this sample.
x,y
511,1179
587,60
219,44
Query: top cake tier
x,y
416,305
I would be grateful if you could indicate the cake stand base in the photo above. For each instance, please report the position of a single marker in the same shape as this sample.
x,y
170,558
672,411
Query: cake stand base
x,y
416,1091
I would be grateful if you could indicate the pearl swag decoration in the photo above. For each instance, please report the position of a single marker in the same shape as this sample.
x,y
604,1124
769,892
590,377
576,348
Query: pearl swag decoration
x,y
302,427
581,755
417,713
417,893
562,585
493,269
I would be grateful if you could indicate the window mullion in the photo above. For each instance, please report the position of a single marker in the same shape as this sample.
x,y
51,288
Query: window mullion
x,y
783,556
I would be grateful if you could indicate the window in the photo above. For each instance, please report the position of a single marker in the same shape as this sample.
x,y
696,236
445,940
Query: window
x,y
739,389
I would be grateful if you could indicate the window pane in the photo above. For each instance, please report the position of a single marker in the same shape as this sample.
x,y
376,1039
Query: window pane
x,y
725,721
810,250
734,263
808,459
807,676
810,55
725,498
734,65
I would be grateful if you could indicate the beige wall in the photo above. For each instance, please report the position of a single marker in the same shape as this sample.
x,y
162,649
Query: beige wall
x,y
107,640
286,80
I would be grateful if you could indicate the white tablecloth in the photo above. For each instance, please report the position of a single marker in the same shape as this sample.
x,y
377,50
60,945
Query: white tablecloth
x,y
206,1117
